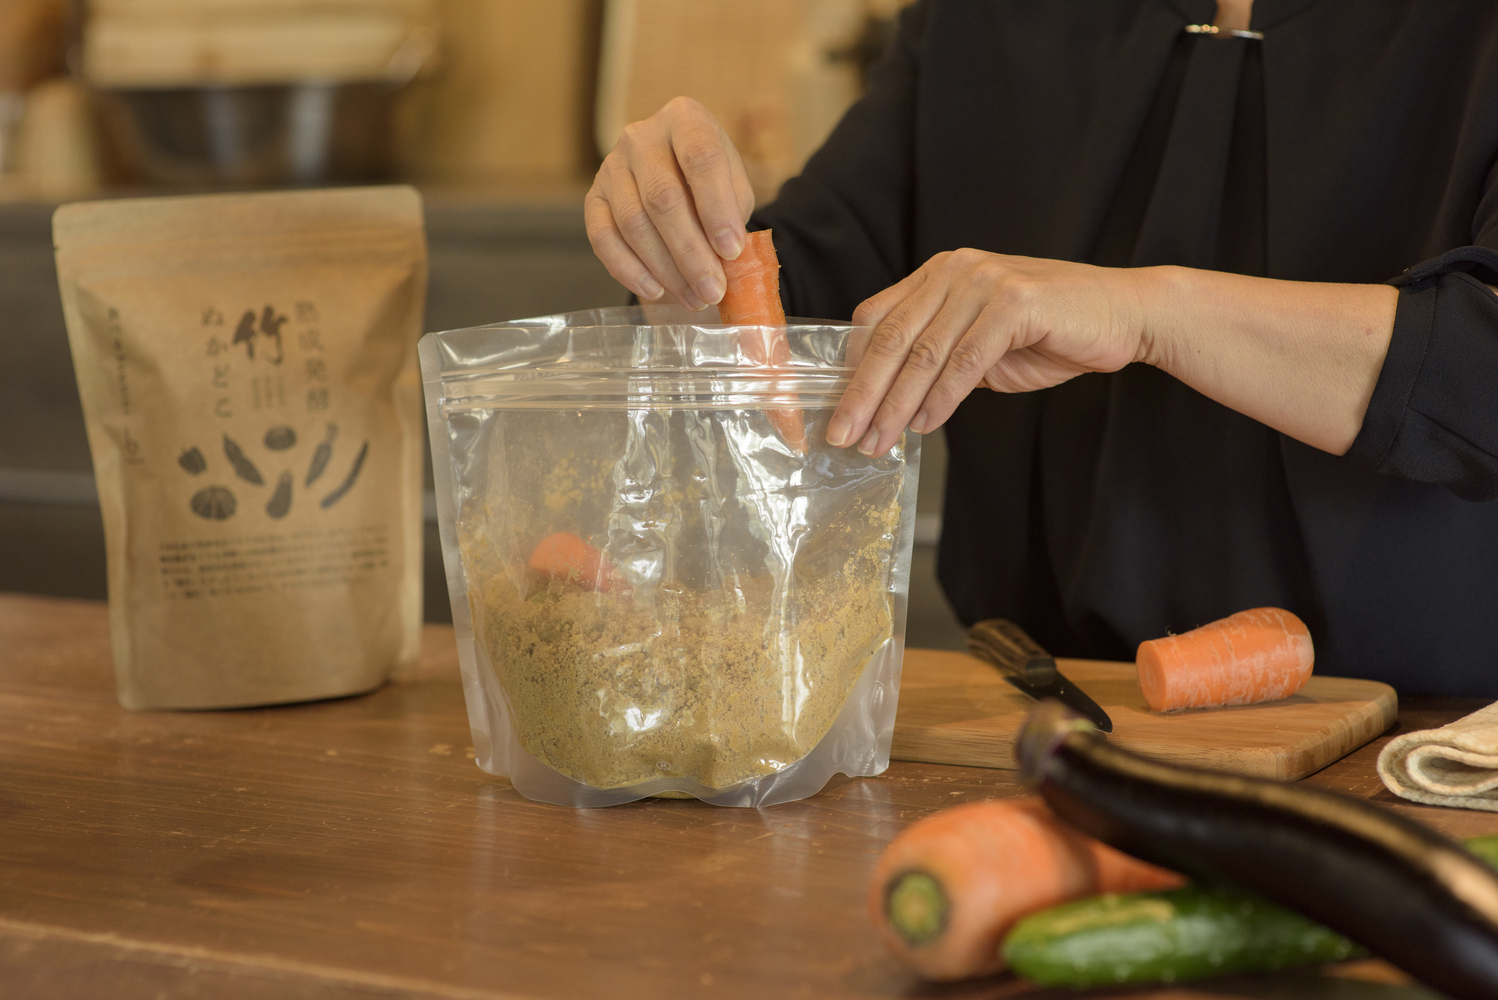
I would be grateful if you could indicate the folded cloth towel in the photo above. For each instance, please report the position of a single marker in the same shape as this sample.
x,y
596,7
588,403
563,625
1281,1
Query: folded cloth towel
x,y
1456,765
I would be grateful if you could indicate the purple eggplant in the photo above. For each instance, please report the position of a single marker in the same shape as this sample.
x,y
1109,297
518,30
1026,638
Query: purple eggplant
x,y
1403,891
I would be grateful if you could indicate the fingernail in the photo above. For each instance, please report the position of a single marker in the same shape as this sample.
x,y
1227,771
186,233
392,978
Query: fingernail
x,y
650,289
869,443
728,243
838,431
692,302
710,288
919,423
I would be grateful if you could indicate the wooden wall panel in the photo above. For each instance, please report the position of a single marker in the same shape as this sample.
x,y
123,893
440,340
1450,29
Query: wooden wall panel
x,y
511,99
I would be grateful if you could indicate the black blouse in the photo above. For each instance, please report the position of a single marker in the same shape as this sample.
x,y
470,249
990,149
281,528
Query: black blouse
x,y
1352,141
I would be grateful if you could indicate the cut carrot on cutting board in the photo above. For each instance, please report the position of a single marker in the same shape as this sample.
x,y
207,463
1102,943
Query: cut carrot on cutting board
x,y
1263,654
956,709
752,299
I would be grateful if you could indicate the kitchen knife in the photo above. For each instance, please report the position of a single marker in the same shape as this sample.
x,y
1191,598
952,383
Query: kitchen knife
x,y
1030,668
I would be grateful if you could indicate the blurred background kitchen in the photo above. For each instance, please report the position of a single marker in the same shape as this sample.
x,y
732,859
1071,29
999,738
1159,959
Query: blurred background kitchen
x,y
498,110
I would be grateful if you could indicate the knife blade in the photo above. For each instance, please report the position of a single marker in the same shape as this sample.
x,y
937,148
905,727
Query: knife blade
x,y
1030,668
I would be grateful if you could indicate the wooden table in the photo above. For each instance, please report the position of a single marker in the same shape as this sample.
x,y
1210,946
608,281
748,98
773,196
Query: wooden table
x,y
352,849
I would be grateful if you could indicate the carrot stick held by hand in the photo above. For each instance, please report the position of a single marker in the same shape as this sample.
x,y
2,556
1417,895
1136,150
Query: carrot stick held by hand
x,y
1259,655
753,299
753,294
947,889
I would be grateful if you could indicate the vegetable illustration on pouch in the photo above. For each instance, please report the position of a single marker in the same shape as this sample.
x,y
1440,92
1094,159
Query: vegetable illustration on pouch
x,y
214,503
192,461
243,467
280,501
218,503
348,482
321,456
280,438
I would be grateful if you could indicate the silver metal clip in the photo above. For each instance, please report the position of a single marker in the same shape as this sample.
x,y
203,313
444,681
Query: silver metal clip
x,y
1216,32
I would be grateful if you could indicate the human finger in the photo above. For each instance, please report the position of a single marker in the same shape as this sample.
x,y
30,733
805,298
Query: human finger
x,y
668,202
742,189
983,349
888,347
702,152
639,231
902,405
610,247
872,311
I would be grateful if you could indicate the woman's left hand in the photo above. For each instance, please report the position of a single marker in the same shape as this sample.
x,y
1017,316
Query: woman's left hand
x,y
968,318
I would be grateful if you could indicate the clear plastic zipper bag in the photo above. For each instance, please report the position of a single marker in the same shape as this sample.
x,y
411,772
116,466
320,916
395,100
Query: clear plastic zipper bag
x,y
664,582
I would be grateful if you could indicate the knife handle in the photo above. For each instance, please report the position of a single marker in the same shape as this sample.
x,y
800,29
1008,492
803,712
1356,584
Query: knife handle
x,y
1008,647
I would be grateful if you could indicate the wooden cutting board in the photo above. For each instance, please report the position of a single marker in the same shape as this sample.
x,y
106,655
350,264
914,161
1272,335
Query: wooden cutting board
x,y
955,709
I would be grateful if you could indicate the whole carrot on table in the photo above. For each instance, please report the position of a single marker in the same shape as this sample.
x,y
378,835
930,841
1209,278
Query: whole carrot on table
x,y
752,299
948,888
1263,654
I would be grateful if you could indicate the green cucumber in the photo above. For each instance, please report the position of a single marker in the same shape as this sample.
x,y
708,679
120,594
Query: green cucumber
x,y
1485,848
1165,937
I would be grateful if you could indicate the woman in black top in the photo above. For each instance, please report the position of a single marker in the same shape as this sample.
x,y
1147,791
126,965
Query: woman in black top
x,y
1166,242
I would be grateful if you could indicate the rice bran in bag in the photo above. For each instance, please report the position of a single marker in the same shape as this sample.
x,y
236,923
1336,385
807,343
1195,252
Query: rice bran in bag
x,y
247,367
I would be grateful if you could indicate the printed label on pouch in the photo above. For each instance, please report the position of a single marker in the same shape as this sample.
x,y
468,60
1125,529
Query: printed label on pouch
x,y
215,567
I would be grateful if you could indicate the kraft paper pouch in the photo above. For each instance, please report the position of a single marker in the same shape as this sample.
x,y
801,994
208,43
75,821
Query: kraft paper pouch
x,y
247,365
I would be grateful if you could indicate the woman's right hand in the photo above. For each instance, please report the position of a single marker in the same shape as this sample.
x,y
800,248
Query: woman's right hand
x,y
668,202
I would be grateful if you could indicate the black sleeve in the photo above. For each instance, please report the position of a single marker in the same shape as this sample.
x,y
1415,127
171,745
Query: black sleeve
x,y
1433,417
842,227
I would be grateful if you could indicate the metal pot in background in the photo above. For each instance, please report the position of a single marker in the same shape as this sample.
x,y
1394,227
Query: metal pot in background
x,y
300,133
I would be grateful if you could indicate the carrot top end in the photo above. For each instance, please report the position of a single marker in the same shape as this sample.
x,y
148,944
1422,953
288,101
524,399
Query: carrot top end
x,y
917,908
